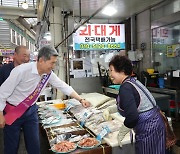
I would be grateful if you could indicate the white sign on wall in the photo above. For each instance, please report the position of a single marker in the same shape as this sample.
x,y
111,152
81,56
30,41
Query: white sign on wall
x,y
100,37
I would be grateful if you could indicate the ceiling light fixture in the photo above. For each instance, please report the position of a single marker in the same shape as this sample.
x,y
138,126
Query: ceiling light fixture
x,y
109,11
24,5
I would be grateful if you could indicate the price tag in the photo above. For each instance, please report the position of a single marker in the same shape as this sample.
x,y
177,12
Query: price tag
x,y
83,119
69,106
103,133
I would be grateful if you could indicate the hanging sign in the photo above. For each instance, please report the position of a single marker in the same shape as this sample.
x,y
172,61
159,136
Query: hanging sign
x,y
6,52
173,50
43,42
99,37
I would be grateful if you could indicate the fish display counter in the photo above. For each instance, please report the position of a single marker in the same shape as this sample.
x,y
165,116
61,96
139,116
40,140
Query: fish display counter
x,y
75,129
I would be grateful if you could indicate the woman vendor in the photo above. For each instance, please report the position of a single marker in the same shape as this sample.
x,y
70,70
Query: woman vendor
x,y
138,106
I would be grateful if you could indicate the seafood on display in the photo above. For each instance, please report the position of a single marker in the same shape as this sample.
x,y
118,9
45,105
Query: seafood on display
x,y
64,146
88,142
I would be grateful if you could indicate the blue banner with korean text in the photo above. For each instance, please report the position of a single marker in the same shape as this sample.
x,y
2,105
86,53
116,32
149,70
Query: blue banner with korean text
x,y
99,37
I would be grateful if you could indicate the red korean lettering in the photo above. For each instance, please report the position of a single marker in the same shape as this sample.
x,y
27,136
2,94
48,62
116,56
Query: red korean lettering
x,y
115,30
86,31
163,32
96,30
100,30
103,30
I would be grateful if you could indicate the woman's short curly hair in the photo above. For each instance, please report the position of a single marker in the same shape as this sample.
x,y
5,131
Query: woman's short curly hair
x,y
121,64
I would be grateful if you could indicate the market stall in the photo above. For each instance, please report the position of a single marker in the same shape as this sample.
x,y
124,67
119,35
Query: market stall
x,y
82,130
162,99
175,95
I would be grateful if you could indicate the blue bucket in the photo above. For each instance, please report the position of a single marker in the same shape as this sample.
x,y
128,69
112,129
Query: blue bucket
x,y
161,82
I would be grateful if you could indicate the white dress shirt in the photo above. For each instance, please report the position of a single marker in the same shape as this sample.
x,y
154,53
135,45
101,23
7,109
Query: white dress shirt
x,y
22,82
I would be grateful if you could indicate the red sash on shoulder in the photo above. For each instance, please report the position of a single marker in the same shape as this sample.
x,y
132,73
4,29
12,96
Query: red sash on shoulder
x,y
14,112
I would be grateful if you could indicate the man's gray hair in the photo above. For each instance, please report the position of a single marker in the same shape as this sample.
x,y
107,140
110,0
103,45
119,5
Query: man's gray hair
x,y
18,48
46,52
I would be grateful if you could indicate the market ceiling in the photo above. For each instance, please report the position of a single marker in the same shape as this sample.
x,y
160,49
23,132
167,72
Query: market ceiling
x,y
125,8
92,9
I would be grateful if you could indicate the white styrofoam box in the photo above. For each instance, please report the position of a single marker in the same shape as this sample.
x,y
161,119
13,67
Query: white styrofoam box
x,y
176,73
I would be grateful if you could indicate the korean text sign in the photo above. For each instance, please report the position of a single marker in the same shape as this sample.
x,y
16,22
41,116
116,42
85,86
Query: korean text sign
x,y
5,52
100,37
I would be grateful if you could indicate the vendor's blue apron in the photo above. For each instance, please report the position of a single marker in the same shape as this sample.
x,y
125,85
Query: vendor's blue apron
x,y
149,131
